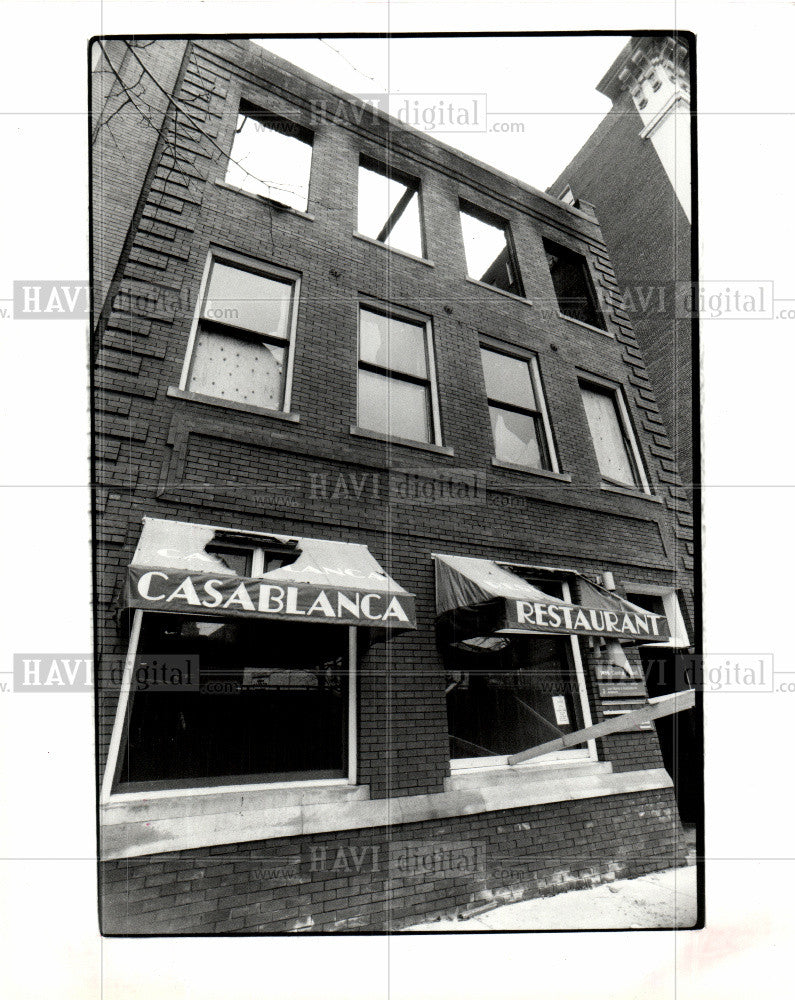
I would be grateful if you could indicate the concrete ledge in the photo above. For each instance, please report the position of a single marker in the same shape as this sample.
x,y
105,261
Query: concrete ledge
x,y
150,830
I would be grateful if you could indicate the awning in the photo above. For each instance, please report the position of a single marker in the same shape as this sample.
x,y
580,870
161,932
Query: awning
x,y
332,582
476,597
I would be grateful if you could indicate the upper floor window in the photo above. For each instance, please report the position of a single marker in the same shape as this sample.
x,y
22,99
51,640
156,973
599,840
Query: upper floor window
x,y
574,288
242,342
389,207
397,392
271,156
519,421
616,449
489,251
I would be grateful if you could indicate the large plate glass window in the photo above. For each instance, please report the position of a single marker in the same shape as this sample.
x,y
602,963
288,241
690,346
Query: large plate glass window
x,y
507,693
270,703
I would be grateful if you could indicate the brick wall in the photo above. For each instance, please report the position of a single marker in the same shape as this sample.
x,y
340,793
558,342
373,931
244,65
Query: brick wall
x,y
648,236
353,880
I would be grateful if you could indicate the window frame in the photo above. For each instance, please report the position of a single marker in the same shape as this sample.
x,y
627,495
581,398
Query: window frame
x,y
109,792
531,359
249,108
409,316
413,184
489,218
590,286
581,754
680,638
616,392
262,269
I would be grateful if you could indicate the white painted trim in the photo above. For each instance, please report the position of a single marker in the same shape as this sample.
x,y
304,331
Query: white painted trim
x,y
266,270
410,316
676,622
353,736
624,416
121,709
535,374
148,834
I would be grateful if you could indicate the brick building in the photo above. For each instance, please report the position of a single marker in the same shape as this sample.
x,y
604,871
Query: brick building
x,y
382,522
635,171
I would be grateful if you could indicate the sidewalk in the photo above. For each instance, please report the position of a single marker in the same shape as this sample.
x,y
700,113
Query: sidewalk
x,y
664,900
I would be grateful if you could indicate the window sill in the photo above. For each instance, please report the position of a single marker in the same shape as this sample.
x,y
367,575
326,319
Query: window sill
x,y
401,253
500,291
230,404
263,200
628,492
436,449
143,829
563,477
587,326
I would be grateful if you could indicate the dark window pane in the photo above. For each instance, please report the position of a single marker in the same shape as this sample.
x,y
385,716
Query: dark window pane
x,y
506,700
508,380
273,704
249,301
272,157
649,602
394,407
230,367
517,438
238,561
389,211
573,288
393,343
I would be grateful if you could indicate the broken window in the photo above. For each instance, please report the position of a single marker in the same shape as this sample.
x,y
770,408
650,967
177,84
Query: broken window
x,y
506,693
574,289
489,252
395,383
272,704
271,156
616,450
518,423
242,343
389,207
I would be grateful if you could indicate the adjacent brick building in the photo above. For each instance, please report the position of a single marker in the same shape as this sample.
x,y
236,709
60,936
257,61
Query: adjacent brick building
x,y
285,378
635,171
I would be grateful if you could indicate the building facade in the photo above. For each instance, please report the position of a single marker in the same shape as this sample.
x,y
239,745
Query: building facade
x,y
635,171
368,524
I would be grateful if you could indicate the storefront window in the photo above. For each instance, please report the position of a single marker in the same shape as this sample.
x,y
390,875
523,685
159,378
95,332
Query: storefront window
x,y
504,700
507,693
271,704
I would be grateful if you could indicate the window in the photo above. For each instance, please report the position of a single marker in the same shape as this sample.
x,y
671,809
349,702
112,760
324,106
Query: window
x,y
271,156
616,450
573,286
662,601
519,423
489,251
567,196
242,342
271,704
507,693
396,384
389,207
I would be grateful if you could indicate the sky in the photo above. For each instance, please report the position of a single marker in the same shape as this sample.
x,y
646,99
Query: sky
x,y
539,91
